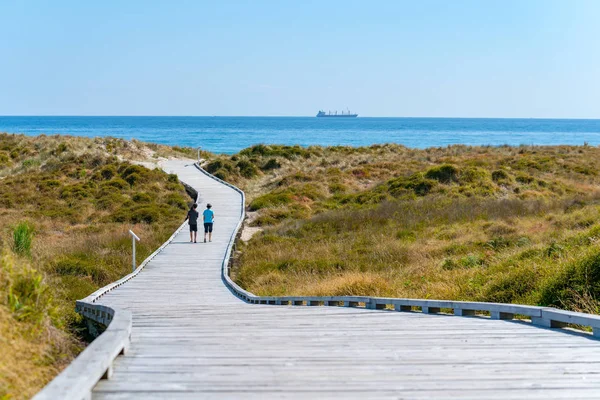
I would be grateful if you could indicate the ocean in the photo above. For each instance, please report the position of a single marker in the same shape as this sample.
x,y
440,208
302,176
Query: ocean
x,y
231,134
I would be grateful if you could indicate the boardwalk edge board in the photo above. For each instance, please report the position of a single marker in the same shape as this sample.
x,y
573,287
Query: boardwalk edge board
x,y
95,362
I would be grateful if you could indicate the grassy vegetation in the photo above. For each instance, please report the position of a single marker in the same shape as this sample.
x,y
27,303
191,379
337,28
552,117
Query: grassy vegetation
x,y
508,224
504,224
66,205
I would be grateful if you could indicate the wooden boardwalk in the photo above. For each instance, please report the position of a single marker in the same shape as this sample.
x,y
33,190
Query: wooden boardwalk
x,y
192,339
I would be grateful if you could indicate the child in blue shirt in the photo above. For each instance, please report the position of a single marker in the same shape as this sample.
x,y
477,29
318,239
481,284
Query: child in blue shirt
x,y
208,216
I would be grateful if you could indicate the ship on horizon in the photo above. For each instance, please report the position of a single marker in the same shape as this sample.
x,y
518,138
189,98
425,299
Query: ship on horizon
x,y
348,114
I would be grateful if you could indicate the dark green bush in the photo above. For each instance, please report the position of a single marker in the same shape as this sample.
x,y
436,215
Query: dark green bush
x,y
108,172
579,280
416,183
214,166
270,200
145,215
134,179
247,169
176,200
500,176
76,191
173,178
271,164
116,183
510,287
444,173
142,197
80,265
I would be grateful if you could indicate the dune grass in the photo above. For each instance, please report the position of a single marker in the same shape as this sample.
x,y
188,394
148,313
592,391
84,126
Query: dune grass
x,y
66,205
504,224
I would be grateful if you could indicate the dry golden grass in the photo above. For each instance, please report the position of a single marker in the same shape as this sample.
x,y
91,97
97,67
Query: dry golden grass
x,y
509,224
81,199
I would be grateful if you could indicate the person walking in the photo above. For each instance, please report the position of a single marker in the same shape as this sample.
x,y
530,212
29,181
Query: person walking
x,y
192,217
208,216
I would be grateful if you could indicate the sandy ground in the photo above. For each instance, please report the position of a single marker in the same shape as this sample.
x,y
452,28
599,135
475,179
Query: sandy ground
x,y
249,231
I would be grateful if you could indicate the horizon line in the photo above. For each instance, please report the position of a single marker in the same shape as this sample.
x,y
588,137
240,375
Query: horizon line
x,y
282,116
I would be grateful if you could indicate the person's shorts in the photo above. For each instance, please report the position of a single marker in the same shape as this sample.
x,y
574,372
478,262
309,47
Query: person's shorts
x,y
208,227
193,227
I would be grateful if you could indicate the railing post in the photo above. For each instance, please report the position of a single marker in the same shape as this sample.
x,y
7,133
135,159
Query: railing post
x,y
199,155
133,239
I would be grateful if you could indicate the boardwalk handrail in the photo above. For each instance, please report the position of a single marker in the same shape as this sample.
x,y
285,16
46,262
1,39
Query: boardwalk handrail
x,y
541,316
95,362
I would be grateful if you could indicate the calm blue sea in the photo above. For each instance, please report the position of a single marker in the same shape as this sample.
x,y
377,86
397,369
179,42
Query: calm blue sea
x,y
231,134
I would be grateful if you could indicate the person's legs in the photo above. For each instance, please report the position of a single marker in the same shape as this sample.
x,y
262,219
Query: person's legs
x,y
210,229
205,231
193,233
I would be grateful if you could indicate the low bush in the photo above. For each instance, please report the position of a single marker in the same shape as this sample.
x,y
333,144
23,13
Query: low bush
x,y
270,200
444,173
271,164
27,294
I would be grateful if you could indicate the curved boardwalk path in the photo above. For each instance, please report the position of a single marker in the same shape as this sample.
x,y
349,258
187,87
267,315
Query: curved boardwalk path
x,y
192,339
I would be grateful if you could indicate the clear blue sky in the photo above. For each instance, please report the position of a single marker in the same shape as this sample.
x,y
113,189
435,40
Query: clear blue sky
x,y
459,58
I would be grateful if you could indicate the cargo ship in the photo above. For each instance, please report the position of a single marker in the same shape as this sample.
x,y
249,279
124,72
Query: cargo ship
x,y
335,114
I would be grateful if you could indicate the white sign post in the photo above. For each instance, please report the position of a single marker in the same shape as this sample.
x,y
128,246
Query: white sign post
x,y
133,239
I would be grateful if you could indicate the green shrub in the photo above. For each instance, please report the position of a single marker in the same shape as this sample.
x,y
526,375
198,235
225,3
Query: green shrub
x,y
247,169
337,188
110,200
471,261
142,197
512,286
270,200
145,215
500,176
48,184
77,191
444,173
22,238
80,265
214,166
134,179
288,152
579,280
28,296
474,175
116,183
221,174
524,178
416,183
449,264
176,200
271,164
108,172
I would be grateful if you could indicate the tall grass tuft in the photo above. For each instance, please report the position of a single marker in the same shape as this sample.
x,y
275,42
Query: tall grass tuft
x,y
22,238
